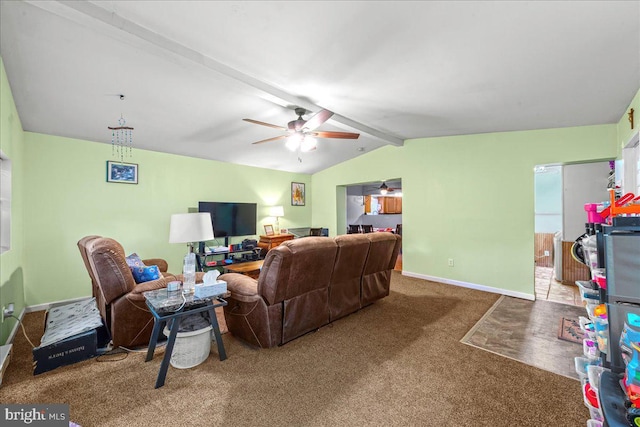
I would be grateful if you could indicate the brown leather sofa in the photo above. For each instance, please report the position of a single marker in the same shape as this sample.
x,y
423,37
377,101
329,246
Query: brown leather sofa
x,y
307,283
120,300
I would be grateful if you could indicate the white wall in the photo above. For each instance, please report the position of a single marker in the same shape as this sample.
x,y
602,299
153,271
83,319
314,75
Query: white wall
x,y
582,183
354,206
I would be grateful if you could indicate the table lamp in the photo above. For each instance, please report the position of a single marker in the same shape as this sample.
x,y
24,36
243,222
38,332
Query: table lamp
x,y
277,212
189,228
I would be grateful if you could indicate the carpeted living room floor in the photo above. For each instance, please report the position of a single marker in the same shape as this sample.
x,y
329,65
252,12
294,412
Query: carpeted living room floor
x,y
397,362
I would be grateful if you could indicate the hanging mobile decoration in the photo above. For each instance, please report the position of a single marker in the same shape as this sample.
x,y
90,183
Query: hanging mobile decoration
x,y
121,138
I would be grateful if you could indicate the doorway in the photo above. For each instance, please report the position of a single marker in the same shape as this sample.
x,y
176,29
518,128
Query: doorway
x,y
561,192
374,207
377,205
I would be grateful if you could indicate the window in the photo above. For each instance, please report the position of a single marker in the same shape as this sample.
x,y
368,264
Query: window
x,y
5,203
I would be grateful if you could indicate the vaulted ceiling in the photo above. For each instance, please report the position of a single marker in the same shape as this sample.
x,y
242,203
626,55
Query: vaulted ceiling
x,y
191,71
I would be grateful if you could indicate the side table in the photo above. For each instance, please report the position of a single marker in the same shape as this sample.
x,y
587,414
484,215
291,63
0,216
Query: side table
x,y
168,309
266,243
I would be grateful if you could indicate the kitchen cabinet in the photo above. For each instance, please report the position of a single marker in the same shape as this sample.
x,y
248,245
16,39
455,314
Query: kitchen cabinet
x,y
390,205
382,205
367,205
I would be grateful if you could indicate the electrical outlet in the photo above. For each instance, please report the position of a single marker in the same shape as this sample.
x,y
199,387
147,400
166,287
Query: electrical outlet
x,y
546,253
7,311
450,262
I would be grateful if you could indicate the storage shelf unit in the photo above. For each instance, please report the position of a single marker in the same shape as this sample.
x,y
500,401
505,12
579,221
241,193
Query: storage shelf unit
x,y
203,258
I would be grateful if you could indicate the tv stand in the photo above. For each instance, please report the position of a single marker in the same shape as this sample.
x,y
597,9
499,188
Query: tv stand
x,y
206,261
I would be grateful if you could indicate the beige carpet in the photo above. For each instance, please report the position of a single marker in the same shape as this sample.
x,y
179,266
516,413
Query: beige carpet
x,y
397,362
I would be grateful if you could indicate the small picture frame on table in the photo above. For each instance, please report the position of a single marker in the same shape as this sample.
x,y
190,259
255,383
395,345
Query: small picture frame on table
x,y
124,173
268,229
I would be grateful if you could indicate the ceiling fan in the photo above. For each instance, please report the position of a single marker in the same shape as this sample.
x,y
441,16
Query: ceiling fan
x,y
302,133
384,189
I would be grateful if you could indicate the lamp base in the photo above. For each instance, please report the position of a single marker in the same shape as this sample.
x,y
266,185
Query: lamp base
x,y
189,273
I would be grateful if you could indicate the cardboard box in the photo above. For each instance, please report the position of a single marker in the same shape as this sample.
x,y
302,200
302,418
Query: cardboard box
x,y
70,350
66,352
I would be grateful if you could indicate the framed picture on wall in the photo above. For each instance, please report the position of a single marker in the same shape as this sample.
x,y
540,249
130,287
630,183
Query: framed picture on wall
x,y
268,229
124,173
297,194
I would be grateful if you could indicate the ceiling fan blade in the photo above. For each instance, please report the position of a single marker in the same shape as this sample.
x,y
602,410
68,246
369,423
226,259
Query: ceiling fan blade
x,y
316,120
339,135
271,139
265,124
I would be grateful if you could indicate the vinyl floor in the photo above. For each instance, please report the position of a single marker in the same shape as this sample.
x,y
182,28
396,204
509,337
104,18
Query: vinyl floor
x,y
527,331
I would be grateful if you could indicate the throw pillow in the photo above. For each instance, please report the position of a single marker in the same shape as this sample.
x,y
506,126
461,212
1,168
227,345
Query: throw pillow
x,y
146,274
142,273
134,261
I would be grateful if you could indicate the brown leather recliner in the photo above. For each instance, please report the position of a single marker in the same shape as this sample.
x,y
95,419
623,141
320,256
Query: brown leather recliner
x,y
119,298
290,297
344,291
306,283
376,277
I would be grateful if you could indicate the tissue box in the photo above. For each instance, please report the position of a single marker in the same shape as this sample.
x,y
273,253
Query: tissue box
x,y
211,289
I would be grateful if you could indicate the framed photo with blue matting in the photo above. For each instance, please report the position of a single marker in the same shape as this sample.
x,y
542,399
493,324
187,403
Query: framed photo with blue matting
x,y
124,173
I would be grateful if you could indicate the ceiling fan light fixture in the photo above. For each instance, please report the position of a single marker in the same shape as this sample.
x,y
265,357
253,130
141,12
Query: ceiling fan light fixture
x,y
293,141
384,189
301,134
308,143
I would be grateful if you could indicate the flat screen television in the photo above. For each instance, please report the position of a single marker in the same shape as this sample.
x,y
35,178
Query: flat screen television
x,y
231,219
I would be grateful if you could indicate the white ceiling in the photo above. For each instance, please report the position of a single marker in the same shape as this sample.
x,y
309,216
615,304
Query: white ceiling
x,y
192,70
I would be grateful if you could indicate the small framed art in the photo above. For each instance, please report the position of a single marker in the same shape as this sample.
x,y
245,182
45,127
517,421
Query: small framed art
x,y
268,229
124,173
297,194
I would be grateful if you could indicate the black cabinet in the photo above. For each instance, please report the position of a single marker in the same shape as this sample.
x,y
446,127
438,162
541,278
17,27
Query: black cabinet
x,y
622,264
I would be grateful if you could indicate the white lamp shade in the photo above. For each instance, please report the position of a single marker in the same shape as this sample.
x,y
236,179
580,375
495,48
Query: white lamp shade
x,y
276,211
190,227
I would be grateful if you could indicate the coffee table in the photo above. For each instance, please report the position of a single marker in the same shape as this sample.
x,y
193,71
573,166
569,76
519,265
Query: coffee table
x,y
251,269
168,308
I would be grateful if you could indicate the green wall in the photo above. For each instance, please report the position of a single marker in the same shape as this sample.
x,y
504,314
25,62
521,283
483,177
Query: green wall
x,y
470,198
69,198
624,126
12,277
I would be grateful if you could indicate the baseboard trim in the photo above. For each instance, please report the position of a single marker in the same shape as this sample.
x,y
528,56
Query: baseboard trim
x,y
475,286
48,305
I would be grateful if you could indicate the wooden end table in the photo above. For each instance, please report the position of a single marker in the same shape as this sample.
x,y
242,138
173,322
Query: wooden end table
x,y
269,242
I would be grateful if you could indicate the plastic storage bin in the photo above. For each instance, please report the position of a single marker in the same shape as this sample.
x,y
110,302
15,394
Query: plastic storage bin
x,y
602,334
582,363
191,348
590,348
587,293
593,373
